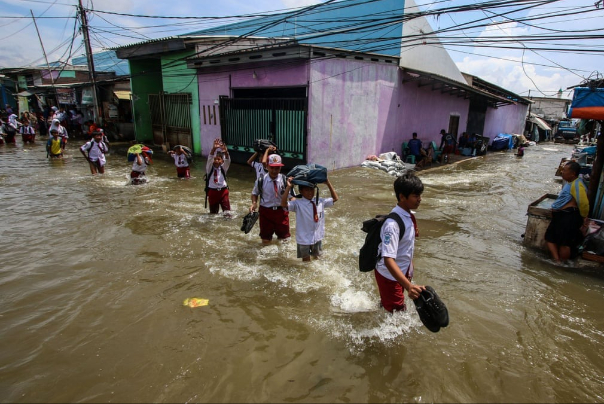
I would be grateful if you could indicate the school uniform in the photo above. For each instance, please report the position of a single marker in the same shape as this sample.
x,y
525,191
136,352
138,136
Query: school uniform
x,y
310,223
96,152
182,165
218,191
391,292
273,218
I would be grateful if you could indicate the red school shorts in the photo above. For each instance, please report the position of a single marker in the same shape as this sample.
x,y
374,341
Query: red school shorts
x,y
392,293
273,222
218,199
183,172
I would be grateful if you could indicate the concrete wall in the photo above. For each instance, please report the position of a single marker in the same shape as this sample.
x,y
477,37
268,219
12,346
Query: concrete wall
x,y
509,119
427,112
353,110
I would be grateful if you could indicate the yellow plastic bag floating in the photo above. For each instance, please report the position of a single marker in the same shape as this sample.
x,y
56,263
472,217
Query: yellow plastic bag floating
x,y
195,302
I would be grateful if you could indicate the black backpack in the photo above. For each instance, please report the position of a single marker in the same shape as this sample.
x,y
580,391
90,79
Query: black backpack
x,y
369,255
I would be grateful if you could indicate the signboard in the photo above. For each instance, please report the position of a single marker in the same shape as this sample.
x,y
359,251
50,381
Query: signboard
x,y
66,95
87,98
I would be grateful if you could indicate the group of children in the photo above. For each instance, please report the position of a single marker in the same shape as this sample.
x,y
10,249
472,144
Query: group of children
x,y
272,196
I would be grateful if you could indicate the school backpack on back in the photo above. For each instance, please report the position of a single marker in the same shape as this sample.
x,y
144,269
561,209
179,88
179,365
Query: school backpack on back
x,y
369,254
308,174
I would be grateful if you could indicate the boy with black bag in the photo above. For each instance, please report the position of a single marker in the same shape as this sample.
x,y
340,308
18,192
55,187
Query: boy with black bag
x,y
394,270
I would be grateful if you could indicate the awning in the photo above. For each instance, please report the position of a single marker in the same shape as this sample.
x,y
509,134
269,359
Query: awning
x,y
588,103
540,123
122,94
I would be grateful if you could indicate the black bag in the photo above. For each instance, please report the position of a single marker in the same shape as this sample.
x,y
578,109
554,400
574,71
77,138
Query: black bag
x,y
260,145
369,255
431,310
308,174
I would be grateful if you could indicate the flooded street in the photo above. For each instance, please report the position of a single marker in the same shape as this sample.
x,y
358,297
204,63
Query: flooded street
x,y
94,273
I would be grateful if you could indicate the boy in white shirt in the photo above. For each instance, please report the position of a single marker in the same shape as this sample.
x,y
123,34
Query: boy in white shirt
x,y
96,149
216,185
181,161
310,217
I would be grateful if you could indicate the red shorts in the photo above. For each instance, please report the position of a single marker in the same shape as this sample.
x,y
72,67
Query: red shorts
x,y
218,199
391,292
448,149
273,221
183,172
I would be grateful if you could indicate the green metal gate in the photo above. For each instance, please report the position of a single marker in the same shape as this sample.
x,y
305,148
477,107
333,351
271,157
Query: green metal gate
x,y
171,119
282,120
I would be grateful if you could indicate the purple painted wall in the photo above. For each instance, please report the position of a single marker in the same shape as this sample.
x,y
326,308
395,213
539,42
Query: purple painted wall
x,y
353,110
427,112
213,84
509,119
356,107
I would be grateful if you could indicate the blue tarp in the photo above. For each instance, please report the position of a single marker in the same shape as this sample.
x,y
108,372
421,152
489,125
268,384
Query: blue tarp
x,y
588,103
503,141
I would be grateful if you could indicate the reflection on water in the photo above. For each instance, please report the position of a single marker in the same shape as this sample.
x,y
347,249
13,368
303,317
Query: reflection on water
x,y
95,272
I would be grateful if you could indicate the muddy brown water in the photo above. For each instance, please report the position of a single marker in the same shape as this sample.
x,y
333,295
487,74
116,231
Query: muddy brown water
x,y
94,273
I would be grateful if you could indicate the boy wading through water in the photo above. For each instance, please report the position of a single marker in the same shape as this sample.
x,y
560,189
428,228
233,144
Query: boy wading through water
x,y
310,218
394,270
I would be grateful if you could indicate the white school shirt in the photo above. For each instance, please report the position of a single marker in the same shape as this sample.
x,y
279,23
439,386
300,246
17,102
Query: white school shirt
x,y
140,168
180,160
220,179
402,251
309,232
96,151
268,199
259,168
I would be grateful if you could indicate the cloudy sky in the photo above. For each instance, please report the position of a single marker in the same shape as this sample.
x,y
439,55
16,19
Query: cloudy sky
x,y
540,48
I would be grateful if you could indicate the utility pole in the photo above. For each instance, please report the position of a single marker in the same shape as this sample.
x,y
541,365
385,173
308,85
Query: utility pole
x,y
52,79
98,116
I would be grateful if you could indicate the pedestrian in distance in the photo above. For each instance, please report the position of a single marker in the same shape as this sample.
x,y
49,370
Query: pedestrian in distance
x,y
94,151
181,161
394,270
217,190
310,217
138,175
415,147
447,145
55,145
266,198
569,214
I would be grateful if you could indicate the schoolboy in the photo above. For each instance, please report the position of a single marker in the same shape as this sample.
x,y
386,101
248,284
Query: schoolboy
x,y
218,164
182,163
310,218
139,166
394,270
260,166
96,149
273,218
55,145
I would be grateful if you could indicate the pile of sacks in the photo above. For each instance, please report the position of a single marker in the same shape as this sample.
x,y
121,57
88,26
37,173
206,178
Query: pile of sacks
x,y
388,162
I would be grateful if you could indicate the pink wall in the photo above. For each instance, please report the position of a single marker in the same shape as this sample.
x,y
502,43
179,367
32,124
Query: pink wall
x,y
213,84
509,119
353,109
427,112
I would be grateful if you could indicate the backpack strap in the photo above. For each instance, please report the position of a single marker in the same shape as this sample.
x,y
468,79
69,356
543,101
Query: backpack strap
x,y
399,221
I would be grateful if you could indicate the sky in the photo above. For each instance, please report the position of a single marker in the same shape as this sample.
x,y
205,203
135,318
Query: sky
x,y
512,55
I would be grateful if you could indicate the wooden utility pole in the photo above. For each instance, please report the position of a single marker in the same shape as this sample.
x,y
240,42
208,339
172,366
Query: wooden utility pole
x,y
52,79
98,116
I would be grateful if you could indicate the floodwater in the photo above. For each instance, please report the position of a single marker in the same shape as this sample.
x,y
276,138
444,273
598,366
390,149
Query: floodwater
x,y
94,273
